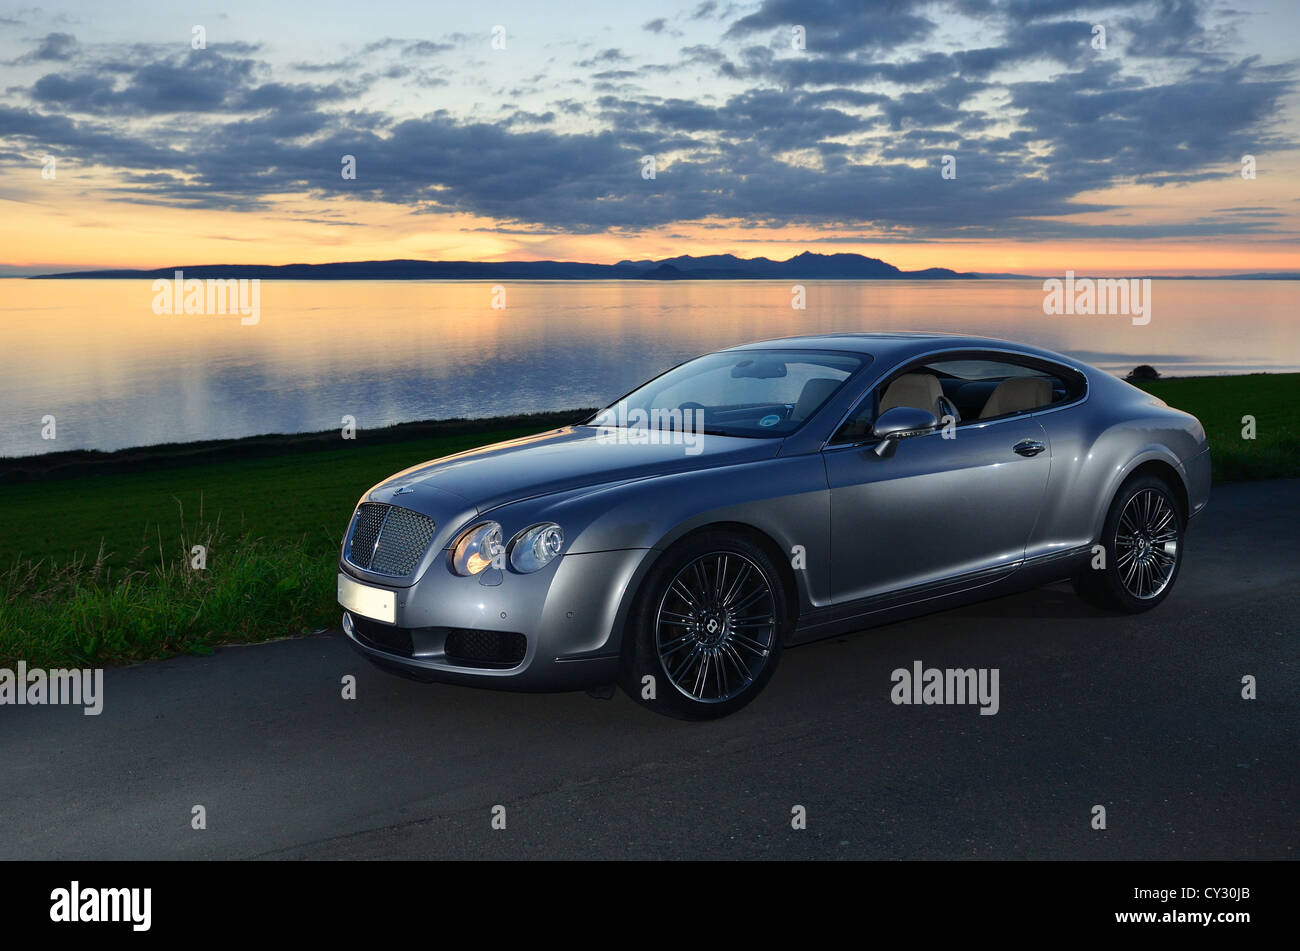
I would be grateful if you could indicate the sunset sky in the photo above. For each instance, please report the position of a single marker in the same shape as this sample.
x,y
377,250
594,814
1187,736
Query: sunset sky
x,y
1119,160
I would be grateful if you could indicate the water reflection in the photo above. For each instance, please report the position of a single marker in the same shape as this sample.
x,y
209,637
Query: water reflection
x,y
94,355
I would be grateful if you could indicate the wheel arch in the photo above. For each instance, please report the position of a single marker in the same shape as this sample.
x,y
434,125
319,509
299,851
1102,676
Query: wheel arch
x,y
1155,461
1166,473
794,592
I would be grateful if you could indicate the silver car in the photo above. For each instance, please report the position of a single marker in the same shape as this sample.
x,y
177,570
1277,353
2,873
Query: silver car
x,y
768,495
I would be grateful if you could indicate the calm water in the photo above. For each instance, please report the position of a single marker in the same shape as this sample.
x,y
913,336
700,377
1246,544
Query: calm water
x,y
95,356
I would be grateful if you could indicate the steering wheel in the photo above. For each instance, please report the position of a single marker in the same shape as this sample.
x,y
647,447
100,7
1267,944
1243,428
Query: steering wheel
x,y
949,408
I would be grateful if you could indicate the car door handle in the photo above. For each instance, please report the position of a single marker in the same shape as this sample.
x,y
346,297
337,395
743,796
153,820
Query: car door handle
x,y
1029,447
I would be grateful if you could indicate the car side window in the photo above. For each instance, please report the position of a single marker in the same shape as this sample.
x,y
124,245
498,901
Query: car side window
x,y
858,426
978,388
967,387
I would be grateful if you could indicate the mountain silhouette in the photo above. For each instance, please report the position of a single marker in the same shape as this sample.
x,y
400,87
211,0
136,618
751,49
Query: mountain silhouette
x,y
805,266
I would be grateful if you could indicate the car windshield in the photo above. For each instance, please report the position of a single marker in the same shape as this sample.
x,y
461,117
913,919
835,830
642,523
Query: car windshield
x,y
755,393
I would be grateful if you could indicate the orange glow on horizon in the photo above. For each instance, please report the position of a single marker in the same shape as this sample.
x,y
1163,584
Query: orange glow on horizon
x,y
68,225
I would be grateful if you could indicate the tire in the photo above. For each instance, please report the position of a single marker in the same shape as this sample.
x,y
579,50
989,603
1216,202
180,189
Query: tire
x,y
708,625
1144,520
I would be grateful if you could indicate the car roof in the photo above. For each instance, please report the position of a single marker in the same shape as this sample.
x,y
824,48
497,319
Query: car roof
x,y
900,345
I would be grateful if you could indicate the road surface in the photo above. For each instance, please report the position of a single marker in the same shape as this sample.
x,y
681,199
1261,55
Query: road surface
x,y
1141,715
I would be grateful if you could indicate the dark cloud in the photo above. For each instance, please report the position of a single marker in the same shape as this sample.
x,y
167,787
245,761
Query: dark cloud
x,y
197,82
849,134
414,48
365,58
604,58
56,46
86,143
81,92
426,48
1179,31
520,117
52,48
1098,126
840,25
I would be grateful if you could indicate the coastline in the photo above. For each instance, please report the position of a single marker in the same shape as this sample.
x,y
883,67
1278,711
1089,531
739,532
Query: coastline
x,y
72,462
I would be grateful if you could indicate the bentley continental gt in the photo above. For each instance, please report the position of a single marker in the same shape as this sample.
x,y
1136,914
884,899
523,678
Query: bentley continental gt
x,y
766,495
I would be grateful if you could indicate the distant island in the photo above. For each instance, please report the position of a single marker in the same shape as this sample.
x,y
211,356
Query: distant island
x,y
807,266
710,267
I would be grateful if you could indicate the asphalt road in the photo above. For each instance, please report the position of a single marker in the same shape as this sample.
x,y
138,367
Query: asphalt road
x,y
1142,715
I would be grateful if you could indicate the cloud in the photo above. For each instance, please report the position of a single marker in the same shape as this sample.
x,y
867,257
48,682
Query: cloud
x,y
56,46
52,48
198,81
847,135
1098,126
604,58
366,58
840,25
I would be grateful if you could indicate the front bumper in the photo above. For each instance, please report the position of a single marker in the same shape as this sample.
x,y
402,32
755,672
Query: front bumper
x,y
568,616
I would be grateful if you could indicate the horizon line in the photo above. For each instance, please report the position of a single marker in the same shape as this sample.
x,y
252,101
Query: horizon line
x,y
664,265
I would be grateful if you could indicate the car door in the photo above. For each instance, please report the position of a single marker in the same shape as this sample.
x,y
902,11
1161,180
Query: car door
x,y
939,506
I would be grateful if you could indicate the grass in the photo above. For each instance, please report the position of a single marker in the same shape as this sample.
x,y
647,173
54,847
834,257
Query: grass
x,y
1221,402
85,614
94,548
297,491
94,553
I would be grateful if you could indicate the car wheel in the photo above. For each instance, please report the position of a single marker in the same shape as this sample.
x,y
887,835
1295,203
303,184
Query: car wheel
x,y
707,628
1143,542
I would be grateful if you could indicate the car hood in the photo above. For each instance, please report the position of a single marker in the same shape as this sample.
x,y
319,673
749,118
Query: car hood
x,y
574,457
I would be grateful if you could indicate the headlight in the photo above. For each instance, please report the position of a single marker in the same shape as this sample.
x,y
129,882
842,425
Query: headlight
x,y
533,548
476,549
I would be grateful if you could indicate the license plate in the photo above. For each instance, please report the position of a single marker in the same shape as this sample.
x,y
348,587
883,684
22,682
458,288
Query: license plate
x,y
375,603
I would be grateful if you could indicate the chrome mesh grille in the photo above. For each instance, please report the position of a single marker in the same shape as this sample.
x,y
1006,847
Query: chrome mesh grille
x,y
365,532
387,539
402,542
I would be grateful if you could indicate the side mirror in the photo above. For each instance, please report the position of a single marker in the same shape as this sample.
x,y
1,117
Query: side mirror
x,y
899,423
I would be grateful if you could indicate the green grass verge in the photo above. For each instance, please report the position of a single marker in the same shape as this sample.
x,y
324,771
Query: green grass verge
x,y
1221,402
94,548
86,615
94,563
299,498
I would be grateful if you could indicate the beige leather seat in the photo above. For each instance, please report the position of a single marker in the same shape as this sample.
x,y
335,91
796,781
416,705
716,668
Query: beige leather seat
x,y
1017,395
921,390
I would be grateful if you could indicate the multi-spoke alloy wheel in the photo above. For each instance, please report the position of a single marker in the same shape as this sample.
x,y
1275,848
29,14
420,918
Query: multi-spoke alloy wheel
x,y
715,626
1146,544
707,629
1143,542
